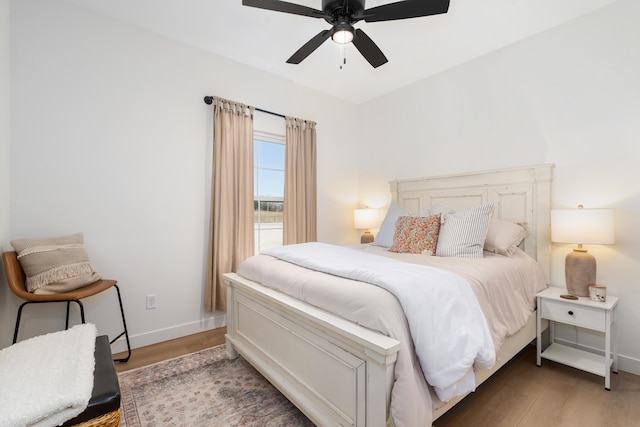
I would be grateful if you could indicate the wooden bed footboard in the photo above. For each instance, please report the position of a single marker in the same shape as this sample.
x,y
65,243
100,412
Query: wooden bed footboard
x,y
336,372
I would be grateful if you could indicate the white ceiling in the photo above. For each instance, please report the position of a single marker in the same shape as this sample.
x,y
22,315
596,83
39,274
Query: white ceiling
x,y
416,48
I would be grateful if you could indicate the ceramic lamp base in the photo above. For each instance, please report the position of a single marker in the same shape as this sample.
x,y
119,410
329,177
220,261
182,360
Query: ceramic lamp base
x,y
366,237
579,272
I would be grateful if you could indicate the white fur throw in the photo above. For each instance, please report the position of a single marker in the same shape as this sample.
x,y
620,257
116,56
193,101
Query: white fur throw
x,y
54,265
47,380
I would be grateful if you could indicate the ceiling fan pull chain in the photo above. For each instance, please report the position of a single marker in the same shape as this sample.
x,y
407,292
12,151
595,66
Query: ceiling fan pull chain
x,y
343,55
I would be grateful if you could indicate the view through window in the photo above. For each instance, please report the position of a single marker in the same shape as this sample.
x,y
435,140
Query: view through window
x,y
268,190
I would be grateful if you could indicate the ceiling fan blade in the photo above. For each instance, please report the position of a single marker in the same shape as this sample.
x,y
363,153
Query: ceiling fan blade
x,y
286,7
405,9
369,49
309,47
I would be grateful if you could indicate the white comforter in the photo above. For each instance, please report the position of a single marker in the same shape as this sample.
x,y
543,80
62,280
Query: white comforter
x,y
446,350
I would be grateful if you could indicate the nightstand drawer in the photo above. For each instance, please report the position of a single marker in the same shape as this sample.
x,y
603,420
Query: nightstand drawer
x,y
586,317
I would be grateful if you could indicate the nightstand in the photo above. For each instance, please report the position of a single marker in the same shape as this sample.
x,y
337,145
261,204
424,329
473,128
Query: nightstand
x,y
583,313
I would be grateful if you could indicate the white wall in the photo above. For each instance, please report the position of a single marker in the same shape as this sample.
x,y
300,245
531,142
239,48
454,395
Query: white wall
x,y
5,299
111,137
569,96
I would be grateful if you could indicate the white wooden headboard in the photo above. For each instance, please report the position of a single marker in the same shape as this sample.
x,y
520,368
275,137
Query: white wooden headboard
x,y
521,195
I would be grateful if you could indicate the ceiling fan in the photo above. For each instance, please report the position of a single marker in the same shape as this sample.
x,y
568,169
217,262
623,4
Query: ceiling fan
x,y
342,14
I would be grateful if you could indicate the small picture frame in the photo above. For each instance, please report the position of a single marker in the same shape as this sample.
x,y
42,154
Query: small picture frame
x,y
598,293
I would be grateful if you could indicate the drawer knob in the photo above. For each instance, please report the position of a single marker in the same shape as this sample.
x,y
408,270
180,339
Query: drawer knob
x,y
570,313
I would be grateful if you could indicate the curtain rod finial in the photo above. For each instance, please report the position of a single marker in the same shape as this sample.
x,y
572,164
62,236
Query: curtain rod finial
x,y
208,100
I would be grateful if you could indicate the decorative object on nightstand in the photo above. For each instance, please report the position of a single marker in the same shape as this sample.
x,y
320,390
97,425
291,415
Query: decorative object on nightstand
x,y
598,293
582,313
365,219
581,226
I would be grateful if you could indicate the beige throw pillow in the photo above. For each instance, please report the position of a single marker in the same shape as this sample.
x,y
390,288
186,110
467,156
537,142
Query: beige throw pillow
x,y
55,265
503,237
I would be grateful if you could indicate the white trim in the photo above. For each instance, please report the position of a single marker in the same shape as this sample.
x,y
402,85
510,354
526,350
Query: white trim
x,y
625,363
275,138
214,321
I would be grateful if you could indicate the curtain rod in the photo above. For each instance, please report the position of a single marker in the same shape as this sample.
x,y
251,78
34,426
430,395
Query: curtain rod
x,y
209,100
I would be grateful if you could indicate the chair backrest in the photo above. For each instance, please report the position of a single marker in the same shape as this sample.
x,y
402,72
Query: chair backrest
x,y
15,274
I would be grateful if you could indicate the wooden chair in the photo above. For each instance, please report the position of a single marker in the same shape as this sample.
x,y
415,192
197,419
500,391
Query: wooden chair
x,y
16,281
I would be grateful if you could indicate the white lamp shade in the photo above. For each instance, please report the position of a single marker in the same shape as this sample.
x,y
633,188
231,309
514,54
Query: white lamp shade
x,y
583,226
365,219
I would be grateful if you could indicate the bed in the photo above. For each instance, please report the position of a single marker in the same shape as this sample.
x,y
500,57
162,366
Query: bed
x,y
343,372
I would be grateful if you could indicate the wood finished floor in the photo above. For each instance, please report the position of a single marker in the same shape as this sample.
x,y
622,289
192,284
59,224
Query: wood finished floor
x,y
155,353
519,395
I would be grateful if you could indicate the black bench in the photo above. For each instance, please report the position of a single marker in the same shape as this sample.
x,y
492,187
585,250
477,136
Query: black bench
x,y
104,405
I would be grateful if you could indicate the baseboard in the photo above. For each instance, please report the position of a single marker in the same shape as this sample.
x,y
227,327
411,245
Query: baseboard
x,y
625,363
216,320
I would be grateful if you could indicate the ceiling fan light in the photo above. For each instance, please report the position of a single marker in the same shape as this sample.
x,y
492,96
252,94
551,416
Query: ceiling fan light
x,y
343,31
342,36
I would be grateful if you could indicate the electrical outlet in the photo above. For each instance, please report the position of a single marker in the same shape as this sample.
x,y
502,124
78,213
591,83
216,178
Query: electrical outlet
x,y
152,301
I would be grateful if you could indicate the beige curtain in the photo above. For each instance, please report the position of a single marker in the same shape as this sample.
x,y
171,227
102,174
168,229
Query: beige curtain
x,y
299,212
231,234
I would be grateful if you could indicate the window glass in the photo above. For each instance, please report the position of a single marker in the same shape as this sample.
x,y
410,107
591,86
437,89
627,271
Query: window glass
x,y
268,185
271,154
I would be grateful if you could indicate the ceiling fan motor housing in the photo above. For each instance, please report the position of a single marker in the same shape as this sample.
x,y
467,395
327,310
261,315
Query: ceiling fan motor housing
x,y
335,7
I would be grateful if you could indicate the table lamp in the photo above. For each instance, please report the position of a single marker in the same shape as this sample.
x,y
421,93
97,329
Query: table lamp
x,y
364,219
581,226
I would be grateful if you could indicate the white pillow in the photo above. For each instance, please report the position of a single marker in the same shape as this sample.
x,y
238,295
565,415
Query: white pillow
x,y
503,237
388,227
462,233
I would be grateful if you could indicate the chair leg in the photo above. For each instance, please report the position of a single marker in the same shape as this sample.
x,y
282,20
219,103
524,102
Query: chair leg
x,y
15,332
81,311
125,333
81,306
66,323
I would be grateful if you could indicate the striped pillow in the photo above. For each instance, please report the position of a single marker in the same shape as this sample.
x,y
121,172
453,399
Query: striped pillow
x,y
462,233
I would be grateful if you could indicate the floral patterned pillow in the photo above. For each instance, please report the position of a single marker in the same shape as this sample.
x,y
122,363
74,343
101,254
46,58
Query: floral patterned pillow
x,y
416,235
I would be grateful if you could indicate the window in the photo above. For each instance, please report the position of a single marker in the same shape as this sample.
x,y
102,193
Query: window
x,y
268,189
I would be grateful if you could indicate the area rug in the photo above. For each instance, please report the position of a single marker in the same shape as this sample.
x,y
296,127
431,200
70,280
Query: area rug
x,y
204,389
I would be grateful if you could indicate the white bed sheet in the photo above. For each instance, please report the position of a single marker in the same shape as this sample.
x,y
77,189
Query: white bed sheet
x,y
506,307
